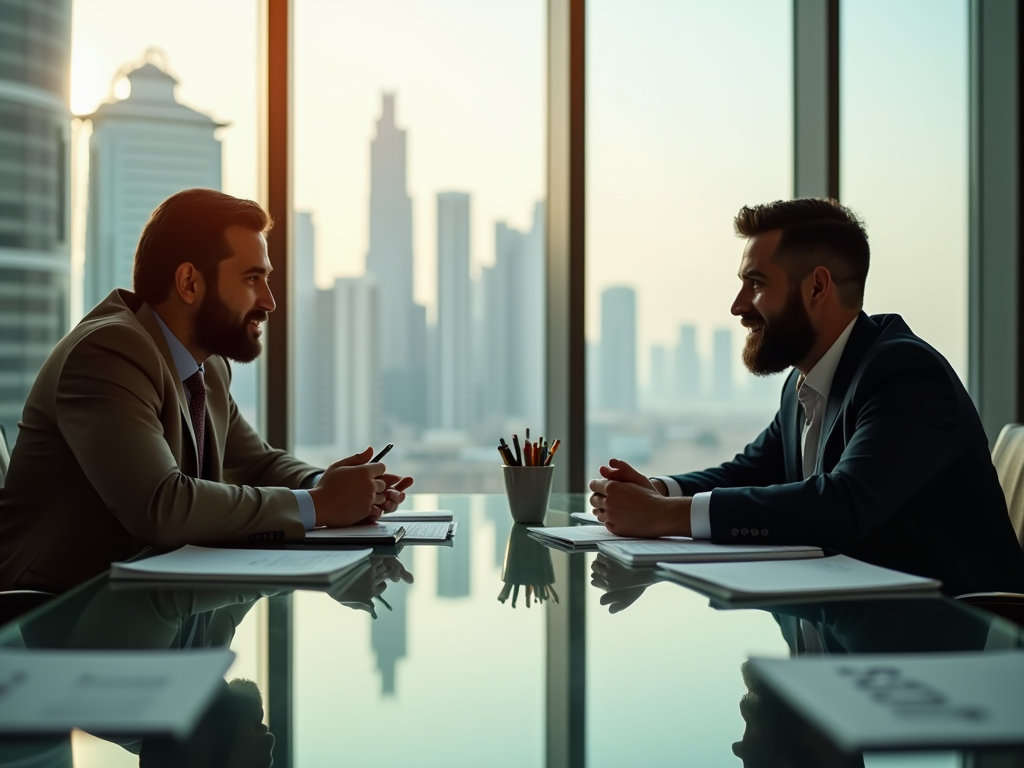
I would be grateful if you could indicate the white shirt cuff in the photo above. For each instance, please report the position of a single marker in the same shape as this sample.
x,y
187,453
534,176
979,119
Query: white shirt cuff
x,y
674,489
307,510
700,516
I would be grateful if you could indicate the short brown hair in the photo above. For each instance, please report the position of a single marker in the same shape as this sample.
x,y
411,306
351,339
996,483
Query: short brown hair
x,y
815,233
189,227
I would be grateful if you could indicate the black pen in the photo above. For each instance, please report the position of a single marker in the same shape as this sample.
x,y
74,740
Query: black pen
x,y
385,602
382,454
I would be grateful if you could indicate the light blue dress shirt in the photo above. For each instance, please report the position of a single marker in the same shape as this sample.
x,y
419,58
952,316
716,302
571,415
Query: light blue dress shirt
x,y
186,366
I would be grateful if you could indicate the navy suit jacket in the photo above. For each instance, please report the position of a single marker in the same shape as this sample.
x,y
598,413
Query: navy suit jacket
x,y
904,478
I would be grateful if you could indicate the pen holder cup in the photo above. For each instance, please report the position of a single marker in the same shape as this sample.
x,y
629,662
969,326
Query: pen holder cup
x,y
528,490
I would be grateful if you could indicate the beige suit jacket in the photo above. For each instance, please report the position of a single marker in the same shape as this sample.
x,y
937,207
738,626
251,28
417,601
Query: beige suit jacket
x,y
105,460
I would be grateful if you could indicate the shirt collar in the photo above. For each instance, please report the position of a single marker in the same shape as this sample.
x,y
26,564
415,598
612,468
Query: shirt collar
x,y
819,378
183,360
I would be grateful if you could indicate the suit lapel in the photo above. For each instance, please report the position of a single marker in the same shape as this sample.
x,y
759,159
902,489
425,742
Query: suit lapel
x,y
863,335
148,321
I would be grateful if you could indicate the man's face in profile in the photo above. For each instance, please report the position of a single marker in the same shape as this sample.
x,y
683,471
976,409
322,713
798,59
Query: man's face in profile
x,y
235,306
772,309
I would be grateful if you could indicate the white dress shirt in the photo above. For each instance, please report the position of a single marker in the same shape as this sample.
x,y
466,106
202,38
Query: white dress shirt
x,y
813,391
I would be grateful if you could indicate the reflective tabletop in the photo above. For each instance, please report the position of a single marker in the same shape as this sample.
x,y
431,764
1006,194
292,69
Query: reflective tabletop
x,y
496,651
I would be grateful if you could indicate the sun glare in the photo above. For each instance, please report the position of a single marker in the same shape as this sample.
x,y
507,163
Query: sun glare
x,y
89,85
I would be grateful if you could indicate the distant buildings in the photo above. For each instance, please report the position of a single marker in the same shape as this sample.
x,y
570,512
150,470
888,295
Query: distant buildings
x,y
143,149
687,369
35,255
390,261
721,364
454,314
618,360
511,357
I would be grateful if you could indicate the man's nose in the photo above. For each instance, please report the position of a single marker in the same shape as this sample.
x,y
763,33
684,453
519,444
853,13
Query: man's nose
x,y
266,300
740,305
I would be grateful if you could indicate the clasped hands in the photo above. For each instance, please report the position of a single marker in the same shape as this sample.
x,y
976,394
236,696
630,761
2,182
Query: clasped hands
x,y
629,504
352,491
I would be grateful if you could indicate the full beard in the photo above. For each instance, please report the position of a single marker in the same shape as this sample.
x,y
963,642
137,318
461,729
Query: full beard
x,y
774,347
219,331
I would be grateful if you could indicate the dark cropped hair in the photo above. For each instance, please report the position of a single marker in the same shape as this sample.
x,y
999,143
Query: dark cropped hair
x,y
815,233
189,227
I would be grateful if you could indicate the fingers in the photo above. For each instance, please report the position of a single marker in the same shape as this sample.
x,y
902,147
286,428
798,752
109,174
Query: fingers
x,y
379,486
355,459
397,482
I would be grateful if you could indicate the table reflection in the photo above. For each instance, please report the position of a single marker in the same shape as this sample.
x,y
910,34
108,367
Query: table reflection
x,y
527,565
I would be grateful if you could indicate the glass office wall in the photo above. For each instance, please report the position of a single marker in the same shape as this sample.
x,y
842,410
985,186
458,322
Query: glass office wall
x,y
165,98
419,232
689,117
904,119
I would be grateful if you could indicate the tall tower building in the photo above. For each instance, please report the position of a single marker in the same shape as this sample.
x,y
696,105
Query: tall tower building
x,y
356,350
511,360
143,149
454,313
721,366
659,387
687,364
390,261
306,339
35,255
453,564
389,635
617,390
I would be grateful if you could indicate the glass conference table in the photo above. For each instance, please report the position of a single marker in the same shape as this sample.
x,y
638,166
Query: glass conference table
x,y
452,665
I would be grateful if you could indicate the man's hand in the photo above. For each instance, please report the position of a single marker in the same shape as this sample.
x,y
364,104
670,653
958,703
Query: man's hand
x,y
629,504
394,494
623,586
350,491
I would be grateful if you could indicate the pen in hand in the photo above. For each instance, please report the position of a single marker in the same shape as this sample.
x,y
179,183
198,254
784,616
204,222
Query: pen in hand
x,y
382,454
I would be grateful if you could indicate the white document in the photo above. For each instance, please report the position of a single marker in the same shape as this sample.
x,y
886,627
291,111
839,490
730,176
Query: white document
x,y
374,533
418,516
429,531
113,692
932,701
257,565
686,550
838,576
575,536
587,517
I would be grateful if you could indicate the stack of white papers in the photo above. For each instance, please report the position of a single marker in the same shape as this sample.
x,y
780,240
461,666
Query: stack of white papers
x,y
108,692
685,550
242,565
838,576
586,517
428,532
575,537
934,701
419,516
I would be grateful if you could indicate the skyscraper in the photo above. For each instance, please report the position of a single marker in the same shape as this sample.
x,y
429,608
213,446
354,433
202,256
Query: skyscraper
x,y
143,149
687,364
617,389
309,339
721,365
660,387
356,351
390,261
454,313
453,563
389,635
512,355
35,260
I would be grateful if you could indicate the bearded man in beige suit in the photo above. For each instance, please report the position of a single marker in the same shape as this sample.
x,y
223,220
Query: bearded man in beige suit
x,y
130,437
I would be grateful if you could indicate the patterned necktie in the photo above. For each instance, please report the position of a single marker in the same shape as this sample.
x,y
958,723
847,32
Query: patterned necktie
x,y
813,416
197,410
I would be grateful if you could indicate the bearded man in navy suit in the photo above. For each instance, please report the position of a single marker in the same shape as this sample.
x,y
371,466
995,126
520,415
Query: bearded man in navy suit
x,y
877,451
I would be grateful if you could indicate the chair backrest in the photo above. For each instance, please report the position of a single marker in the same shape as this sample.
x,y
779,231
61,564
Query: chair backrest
x,y
1008,456
5,458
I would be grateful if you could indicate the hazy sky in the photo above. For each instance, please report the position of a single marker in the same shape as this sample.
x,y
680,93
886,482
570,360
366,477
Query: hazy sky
x,y
689,117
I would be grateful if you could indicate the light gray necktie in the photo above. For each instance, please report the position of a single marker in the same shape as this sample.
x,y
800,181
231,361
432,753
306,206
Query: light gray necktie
x,y
813,416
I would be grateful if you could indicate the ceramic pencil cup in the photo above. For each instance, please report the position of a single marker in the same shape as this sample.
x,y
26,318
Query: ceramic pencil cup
x,y
528,490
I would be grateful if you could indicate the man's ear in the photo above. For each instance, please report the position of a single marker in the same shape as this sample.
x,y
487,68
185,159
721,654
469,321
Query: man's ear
x,y
189,283
821,283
